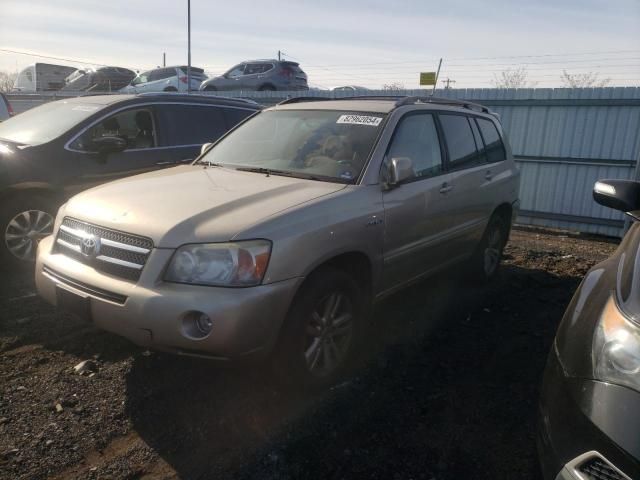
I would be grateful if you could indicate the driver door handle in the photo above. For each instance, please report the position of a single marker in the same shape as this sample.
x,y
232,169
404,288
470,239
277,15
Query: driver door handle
x,y
446,188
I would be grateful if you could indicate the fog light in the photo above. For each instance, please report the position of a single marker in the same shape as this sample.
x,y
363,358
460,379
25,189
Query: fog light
x,y
196,324
204,323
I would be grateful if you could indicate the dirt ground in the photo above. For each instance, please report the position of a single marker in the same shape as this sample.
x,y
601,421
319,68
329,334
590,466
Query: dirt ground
x,y
447,389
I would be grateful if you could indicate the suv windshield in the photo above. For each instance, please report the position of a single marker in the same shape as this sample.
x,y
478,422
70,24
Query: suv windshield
x,y
324,145
46,122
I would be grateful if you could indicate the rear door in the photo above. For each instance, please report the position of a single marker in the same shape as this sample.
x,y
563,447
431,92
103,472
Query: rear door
x,y
471,181
416,212
188,127
138,126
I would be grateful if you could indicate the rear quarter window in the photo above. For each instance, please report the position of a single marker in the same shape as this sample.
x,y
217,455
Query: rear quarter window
x,y
494,147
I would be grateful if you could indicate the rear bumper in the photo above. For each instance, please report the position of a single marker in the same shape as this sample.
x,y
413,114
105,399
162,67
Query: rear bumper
x,y
153,313
581,420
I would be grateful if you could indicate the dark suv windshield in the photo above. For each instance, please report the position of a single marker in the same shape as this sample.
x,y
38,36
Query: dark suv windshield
x,y
328,145
46,122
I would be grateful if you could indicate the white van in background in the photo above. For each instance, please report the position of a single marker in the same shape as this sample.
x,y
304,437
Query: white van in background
x,y
42,77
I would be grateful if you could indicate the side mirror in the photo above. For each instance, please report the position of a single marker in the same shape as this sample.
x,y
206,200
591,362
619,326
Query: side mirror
x,y
623,195
108,144
400,170
204,147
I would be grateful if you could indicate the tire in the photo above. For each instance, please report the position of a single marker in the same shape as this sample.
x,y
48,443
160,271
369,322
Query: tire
x,y
210,88
170,89
485,262
313,352
24,221
267,88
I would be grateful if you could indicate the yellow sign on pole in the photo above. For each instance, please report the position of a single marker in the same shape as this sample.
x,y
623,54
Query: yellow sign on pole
x,y
427,78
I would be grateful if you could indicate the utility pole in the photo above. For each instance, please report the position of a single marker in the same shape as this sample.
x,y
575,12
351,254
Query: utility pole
x,y
164,59
436,80
188,46
448,83
279,55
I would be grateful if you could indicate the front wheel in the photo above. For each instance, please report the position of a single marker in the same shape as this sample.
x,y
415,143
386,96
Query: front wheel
x,y
24,221
321,332
210,88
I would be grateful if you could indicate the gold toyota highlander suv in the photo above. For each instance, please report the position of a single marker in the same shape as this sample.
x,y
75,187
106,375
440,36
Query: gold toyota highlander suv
x,y
281,235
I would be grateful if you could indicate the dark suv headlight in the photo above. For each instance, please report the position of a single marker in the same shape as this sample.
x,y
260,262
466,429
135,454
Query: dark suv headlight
x,y
616,348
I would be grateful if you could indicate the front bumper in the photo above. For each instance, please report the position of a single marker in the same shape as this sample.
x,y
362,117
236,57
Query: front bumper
x,y
152,313
581,420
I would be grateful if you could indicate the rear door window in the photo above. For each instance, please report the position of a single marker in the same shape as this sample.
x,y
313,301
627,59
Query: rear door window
x,y
460,141
192,124
494,147
416,138
235,116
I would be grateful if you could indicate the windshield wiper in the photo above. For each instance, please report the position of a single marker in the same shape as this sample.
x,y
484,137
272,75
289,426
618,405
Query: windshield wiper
x,y
266,171
287,173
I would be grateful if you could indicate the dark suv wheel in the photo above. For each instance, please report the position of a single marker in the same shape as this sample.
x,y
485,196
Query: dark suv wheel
x,y
24,221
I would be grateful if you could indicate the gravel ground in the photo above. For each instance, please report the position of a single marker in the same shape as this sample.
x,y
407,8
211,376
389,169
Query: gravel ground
x,y
446,390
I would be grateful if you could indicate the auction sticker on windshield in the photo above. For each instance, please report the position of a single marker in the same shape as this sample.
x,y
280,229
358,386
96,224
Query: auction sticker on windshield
x,y
359,120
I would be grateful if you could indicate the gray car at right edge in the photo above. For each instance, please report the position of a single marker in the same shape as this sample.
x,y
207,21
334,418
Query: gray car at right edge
x,y
278,240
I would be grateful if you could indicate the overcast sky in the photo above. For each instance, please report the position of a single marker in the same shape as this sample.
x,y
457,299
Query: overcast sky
x,y
338,42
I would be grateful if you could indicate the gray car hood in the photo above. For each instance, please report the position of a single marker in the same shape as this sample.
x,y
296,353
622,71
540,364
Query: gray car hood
x,y
192,204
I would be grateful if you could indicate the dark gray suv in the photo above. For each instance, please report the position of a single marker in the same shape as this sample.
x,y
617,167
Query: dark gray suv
x,y
260,75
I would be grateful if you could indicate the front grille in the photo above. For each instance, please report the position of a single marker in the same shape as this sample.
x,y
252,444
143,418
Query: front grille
x,y
597,469
109,251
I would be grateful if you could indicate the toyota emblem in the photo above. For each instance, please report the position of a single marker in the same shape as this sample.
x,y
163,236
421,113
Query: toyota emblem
x,y
90,246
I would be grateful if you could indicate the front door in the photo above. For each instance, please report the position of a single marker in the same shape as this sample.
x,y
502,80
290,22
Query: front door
x,y
417,211
137,126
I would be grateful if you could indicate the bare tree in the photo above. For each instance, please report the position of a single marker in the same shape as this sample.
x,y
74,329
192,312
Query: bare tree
x,y
516,78
583,80
393,86
7,79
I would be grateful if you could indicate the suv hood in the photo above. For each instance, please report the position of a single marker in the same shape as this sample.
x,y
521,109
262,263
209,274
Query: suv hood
x,y
192,204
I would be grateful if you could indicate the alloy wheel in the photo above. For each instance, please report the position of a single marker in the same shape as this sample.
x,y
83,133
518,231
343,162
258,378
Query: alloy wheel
x,y
25,230
492,250
329,334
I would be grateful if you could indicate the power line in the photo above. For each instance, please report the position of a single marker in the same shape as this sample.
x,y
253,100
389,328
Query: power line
x,y
435,59
72,60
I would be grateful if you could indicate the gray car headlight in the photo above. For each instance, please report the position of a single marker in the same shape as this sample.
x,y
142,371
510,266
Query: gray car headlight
x,y
616,348
237,264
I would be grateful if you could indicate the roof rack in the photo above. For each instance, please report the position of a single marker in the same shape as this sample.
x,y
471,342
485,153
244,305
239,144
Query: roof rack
x,y
443,101
302,99
196,95
399,99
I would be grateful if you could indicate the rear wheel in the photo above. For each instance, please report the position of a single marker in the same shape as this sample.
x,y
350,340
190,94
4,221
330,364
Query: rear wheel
x,y
267,88
486,260
171,89
24,221
321,332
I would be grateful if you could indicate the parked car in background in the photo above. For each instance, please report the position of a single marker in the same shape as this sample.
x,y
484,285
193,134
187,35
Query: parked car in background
x,y
53,151
260,75
590,402
5,108
103,79
42,77
279,239
351,88
166,79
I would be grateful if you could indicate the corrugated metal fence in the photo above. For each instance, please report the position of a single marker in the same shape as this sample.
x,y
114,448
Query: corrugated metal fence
x,y
563,140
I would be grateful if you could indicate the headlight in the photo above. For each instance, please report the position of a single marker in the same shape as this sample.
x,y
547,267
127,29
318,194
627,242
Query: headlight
x,y
616,348
238,264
